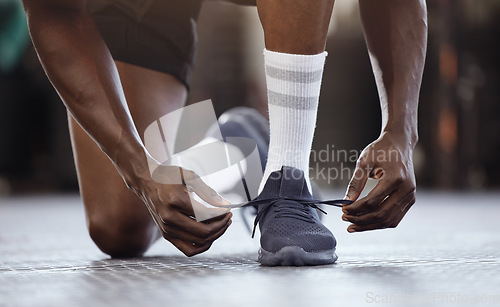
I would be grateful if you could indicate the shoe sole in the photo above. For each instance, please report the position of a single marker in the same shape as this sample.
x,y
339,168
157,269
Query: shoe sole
x,y
296,256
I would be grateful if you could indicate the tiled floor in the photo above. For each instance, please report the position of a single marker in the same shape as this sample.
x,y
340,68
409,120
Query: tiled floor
x,y
445,253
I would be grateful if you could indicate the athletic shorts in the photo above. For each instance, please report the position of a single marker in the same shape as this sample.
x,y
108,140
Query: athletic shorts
x,y
155,34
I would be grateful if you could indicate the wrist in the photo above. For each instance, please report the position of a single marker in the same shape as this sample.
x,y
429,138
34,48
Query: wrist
x,y
129,158
404,138
402,128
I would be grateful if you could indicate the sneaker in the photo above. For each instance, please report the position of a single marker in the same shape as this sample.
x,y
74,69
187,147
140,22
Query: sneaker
x,y
248,213
291,231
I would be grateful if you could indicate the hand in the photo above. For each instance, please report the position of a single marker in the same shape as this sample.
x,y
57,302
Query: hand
x,y
171,206
388,159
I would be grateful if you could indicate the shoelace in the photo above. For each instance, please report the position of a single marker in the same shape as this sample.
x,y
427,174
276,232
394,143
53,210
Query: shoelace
x,y
292,211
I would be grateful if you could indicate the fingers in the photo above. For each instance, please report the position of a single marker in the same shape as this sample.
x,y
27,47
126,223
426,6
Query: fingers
x,y
179,198
173,209
192,248
214,233
174,223
375,197
385,205
388,215
358,180
187,248
410,203
197,185
177,221
188,235
203,213
185,202
176,176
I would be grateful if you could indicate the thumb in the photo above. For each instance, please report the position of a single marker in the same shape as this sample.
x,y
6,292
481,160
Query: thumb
x,y
197,185
357,183
203,213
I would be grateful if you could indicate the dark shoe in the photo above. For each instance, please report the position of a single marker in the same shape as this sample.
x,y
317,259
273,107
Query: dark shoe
x,y
248,213
291,232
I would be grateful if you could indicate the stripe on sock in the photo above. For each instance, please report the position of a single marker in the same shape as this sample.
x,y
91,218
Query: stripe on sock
x,y
292,102
293,89
294,76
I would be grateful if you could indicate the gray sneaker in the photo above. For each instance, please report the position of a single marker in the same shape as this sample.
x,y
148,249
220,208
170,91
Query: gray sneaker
x,y
291,231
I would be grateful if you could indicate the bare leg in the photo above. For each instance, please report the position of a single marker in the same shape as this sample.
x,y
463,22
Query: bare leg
x,y
295,26
118,220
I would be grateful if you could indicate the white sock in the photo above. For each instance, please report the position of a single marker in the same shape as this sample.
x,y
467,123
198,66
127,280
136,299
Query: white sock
x,y
293,87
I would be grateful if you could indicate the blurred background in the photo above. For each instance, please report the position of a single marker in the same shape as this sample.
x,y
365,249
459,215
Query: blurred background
x,y
459,113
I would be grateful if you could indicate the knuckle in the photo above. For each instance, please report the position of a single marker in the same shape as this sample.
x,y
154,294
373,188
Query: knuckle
x,y
398,179
413,191
410,198
379,216
213,230
372,203
353,185
165,215
206,232
353,219
205,248
413,199
362,163
202,241
167,233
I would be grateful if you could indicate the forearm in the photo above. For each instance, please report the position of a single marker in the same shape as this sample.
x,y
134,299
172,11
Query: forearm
x,y
81,69
396,36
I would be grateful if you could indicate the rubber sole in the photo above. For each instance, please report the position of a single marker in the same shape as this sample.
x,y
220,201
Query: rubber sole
x,y
296,256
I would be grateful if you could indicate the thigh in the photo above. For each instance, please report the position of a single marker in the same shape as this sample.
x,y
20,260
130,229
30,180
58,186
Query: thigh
x,y
155,34
118,221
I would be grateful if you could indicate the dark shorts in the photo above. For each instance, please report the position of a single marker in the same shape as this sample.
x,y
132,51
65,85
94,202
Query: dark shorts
x,y
155,34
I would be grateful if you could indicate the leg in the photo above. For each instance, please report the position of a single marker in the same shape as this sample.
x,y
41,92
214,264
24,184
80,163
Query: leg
x,y
118,221
295,36
295,26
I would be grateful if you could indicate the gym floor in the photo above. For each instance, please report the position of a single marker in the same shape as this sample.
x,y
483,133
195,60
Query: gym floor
x,y
446,252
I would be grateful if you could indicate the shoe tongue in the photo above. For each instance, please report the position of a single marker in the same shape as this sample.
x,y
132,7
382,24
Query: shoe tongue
x,y
292,182
288,182
272,186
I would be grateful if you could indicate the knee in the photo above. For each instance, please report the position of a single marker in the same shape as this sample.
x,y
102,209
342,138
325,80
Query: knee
x,y
120,238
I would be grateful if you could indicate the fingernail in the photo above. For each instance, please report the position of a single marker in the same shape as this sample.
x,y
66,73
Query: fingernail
x,y
344,218
225,201
229,223
351,230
